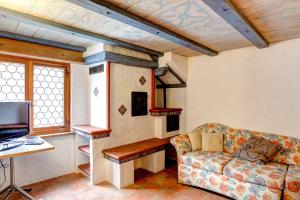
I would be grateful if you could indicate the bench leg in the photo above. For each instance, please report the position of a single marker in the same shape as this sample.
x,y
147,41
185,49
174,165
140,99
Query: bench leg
x,y
154,162
120,175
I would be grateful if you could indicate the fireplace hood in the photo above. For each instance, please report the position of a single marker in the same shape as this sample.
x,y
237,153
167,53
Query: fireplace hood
x,y
168,78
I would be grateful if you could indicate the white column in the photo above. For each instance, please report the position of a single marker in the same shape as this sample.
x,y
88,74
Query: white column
x,y
97,165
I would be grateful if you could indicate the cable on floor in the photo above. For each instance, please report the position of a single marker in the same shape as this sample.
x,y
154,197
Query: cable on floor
x,y
3,166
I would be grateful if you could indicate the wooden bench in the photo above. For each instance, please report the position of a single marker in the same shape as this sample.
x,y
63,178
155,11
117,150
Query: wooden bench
x,y
135,150
151,154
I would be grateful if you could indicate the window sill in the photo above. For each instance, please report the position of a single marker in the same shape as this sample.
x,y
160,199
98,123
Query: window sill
x,y
55,134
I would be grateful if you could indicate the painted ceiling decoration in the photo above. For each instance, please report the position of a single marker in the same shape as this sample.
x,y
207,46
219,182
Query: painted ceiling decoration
x,y
36,21
275,20
114,12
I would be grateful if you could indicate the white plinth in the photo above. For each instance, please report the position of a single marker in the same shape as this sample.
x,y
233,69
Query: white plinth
x,y
154,162
120,175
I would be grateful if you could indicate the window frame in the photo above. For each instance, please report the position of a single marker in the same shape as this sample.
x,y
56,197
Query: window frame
x,y
29,78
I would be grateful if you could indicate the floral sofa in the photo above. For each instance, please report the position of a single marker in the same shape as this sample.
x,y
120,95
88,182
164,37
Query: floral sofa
x,y
240,179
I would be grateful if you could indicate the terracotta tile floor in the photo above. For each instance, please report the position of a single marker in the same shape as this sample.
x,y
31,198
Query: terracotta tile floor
x,y
162,185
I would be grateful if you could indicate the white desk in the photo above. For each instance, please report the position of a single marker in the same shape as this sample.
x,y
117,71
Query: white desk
x,y
20,151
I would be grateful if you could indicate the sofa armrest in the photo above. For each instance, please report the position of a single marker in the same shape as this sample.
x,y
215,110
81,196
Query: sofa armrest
x,y
182,145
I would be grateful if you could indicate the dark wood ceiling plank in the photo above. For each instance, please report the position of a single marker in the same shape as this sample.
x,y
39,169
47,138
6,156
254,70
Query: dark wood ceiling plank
x,y
29,19
110,10
226,10
37,50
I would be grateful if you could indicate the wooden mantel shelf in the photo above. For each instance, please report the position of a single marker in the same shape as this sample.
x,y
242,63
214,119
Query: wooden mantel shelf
x,y
92,131
165,111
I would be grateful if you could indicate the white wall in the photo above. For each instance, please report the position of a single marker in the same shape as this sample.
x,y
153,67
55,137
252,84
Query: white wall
x,y
79,94
248,88
98,103
46,165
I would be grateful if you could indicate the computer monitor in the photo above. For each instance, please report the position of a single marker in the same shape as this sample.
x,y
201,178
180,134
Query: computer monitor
x,y
14,120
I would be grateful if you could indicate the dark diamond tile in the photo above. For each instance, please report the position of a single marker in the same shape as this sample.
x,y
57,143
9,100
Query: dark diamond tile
x,y
122,110
142,80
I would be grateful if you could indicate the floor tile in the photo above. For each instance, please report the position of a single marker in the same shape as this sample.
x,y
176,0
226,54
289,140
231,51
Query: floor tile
x,y
147,186
88,195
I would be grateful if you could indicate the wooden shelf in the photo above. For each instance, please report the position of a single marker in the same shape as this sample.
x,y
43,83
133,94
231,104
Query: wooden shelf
x,y
85,169
165,111
92,131
85,149
13,126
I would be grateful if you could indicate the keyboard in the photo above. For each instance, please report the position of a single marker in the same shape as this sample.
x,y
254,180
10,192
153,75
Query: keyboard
x,y
10,145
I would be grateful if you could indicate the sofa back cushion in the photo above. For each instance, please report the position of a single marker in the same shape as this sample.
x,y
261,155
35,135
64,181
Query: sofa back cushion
x,y
234,138
290,151
212,142
196,140
257,149
230,136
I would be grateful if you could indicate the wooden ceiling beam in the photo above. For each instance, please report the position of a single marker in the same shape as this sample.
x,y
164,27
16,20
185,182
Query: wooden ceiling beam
x,y
40,22
112,11
228,11
121,59
25,38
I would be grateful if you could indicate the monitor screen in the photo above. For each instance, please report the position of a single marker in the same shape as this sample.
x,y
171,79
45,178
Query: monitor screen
x,y
14,119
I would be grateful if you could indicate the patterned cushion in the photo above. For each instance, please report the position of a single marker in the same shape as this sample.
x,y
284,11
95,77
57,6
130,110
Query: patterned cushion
x,y
225,185
290,153
257,149
271,174
292,183
233,138
210,161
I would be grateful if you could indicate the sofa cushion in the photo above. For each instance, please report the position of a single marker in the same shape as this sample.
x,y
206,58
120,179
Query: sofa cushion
x,y
257,149
225,185
210,161
212,142
292,183
196,140
272,174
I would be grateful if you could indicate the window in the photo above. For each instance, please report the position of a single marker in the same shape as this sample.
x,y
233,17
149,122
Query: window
x,y
12,81
45,84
